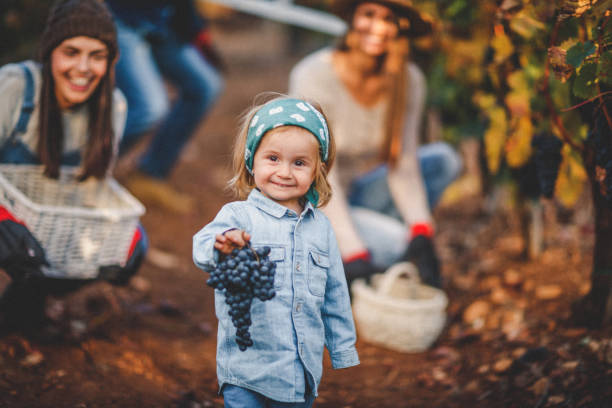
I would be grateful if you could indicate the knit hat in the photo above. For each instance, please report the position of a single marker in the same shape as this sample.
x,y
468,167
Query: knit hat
x,y
73,18
413,23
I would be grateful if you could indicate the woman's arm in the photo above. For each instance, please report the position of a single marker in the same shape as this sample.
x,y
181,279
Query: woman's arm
x,y
338,211
12,84
405,180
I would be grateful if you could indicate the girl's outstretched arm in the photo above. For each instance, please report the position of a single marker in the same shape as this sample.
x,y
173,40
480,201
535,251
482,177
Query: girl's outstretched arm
x,y
228,222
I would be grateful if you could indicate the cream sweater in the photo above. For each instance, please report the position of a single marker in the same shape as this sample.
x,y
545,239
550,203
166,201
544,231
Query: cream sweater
x,y
359,134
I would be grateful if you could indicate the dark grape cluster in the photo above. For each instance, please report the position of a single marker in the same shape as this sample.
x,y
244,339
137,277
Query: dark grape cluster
x,y
547,157
242,275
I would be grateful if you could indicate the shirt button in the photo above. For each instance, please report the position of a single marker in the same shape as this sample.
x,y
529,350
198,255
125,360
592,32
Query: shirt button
x,y
298,307
297,266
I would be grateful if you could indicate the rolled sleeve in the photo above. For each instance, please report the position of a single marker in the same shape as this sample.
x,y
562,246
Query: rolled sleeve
x,y
344,359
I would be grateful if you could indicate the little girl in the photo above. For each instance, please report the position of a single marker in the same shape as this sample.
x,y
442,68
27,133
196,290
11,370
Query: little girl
x,y
281,160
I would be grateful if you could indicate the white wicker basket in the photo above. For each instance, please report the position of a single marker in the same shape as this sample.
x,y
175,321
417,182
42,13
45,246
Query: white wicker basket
x,y
397,311
81,225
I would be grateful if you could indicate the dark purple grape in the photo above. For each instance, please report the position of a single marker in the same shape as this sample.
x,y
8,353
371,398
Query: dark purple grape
x,y
241,276
547,157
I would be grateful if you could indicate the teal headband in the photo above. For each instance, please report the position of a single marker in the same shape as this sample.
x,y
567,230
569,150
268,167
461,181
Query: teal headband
x,y
287,112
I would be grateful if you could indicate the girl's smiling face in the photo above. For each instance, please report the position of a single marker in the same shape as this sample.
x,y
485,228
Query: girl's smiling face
x,y
78,65
376,27
284,165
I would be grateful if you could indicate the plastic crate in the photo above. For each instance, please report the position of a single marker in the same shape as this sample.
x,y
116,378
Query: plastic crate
x,y
81,225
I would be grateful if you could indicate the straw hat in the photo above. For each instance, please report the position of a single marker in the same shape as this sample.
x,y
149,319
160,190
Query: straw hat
x,y
412,22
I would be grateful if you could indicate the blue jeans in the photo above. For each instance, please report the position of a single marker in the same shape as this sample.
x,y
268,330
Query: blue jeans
x,y
144,63
375,216
239,397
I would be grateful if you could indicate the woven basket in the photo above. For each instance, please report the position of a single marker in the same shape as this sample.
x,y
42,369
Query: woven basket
x,y
81,225
397,311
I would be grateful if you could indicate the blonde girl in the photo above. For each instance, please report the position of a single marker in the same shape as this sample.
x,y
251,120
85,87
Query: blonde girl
x,y
282,157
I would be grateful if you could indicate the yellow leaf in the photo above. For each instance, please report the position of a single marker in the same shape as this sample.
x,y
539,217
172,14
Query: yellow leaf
x,y
518,146
571,178
518,99
525,24
503,47
495,137
483,100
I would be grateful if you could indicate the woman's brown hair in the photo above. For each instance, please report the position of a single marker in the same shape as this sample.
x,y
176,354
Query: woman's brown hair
x,y
67,19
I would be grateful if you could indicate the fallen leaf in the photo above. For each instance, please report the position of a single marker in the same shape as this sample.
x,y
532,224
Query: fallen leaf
x,y
548,292
499,296
502,365
540,386
476,312
32,359
570,365
512,278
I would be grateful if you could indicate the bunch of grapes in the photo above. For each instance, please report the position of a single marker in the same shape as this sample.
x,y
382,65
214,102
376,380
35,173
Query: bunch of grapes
x,y
547,157
242,275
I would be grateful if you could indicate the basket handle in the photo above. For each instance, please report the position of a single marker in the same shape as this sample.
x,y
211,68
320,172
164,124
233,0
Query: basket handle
x,y
394,272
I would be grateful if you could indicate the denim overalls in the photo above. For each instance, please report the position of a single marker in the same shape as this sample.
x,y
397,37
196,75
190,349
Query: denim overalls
x,y
15,151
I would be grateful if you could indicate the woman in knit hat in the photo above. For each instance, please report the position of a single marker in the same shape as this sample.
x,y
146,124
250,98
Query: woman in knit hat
x,y
63,110
384,183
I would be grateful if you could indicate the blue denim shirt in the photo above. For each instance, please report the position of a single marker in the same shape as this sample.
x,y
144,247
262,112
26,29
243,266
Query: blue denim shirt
x,y
311,308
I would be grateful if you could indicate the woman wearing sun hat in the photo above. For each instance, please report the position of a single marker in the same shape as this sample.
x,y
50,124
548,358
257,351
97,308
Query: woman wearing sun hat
x,y
384,184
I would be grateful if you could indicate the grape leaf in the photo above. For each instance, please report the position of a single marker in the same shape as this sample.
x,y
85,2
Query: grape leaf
x,y
585,85
577,53
604,70
571,178
518,146
495,137
503,47
525,24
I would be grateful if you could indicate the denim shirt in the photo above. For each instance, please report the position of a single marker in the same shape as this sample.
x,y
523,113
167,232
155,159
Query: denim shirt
x,y
311,308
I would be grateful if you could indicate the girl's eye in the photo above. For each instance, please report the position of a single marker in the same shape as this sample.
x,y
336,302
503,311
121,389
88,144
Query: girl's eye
x,y
70,52
273,158
299,163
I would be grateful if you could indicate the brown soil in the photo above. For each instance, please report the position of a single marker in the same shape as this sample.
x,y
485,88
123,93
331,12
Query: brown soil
x,y
508,342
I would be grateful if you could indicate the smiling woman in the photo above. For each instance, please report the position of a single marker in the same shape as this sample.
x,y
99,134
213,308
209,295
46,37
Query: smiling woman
x,y
385,184
78,65
61,111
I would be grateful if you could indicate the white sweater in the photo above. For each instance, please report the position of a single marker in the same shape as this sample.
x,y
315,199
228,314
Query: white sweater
x,y
359,135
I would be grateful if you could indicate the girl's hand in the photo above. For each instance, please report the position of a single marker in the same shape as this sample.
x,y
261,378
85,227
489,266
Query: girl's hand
x,y
231,239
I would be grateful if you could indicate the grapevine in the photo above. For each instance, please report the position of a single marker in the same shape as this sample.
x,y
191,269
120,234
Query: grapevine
x,y
242,275
547,155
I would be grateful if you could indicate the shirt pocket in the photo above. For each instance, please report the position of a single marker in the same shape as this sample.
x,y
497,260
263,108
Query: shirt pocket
x,y
276,255
318,265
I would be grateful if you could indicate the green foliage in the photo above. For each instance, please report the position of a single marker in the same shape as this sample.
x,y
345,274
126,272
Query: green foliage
x,y
577,53
585,84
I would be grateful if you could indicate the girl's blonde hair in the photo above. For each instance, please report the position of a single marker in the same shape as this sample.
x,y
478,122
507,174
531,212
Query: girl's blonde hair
x,y
243,182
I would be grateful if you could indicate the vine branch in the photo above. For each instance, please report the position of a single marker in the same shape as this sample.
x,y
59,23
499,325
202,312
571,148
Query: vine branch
x,y
600,47
549,102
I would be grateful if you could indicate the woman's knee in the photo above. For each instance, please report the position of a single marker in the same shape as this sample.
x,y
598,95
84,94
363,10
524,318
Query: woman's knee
x,y
442,159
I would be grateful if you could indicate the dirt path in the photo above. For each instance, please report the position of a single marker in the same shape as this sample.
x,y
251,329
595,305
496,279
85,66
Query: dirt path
x,y
508,342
